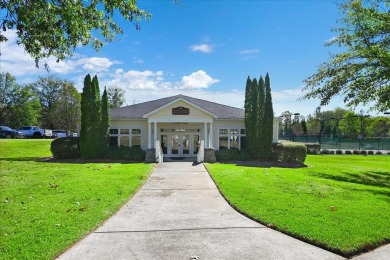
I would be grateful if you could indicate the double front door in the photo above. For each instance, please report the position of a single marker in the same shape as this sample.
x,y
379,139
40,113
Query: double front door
x,y
180,144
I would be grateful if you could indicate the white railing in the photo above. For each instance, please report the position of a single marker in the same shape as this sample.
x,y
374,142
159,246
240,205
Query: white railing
x,y
200,156
159,152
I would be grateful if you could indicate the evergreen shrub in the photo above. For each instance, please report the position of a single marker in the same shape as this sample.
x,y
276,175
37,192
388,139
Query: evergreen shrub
x,y
232,155
363,152
65,148
290,152
370,152
348,152
134,153
378,153
331,151
339,152
355,152
313,148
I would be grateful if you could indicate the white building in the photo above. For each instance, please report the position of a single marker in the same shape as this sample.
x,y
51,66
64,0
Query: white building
x,y
180,123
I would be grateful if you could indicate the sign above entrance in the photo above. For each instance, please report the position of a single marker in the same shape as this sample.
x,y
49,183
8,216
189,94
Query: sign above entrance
x,y
180,111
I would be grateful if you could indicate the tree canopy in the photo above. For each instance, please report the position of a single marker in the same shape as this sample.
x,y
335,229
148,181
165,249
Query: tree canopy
x,y
361,73
56,28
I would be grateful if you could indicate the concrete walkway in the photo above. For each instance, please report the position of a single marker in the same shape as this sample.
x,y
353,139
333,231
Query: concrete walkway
x,y
179,214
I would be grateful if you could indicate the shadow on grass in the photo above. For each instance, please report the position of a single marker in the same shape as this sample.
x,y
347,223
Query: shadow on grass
x,y
377,179
68,161
264,164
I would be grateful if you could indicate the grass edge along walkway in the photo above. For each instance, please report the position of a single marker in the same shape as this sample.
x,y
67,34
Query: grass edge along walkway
x,y
47,207
239,186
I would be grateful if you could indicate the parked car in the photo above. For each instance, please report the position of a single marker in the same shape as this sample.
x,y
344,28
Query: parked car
x,y
35,132
74,135
59,133
7,132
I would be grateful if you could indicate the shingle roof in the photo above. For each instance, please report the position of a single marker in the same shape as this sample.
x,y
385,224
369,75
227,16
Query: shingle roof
x,y
137,111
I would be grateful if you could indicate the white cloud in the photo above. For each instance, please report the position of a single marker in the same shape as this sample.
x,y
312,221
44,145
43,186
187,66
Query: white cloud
x,y
197,80
138,60
205,48
16,61
95,64
249,51
141,80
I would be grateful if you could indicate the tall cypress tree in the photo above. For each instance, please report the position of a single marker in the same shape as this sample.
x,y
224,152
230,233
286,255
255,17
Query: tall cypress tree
x,y
105,124
268,119
260,120
253,117
248,112
85,129
96,116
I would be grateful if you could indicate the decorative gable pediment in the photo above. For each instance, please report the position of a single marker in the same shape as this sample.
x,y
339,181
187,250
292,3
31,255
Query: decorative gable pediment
x,y
180,111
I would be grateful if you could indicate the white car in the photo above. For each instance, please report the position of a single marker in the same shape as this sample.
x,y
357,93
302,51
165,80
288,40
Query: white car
x,y
59,133
74,135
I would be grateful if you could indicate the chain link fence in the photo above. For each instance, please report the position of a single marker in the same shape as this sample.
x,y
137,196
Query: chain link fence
x,y
342,143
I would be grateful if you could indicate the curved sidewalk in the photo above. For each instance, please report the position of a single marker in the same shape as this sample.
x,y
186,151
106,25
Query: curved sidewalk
x,y
180,214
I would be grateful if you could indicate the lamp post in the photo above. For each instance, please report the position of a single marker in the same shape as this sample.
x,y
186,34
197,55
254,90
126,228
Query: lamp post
x,y
361,116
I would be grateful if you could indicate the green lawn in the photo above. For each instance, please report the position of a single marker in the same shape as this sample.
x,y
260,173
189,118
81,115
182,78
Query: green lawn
x,y
45,207
338,202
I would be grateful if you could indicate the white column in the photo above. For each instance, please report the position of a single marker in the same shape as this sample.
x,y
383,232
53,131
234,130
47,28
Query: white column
x,y
149,135
205,135
211,136
155,133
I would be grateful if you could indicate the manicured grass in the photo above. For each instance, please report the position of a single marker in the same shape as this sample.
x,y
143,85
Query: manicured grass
x,y
338,202
46,206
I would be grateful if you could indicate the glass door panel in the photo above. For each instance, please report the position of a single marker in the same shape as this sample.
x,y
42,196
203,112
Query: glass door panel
x,y
175,144
185,144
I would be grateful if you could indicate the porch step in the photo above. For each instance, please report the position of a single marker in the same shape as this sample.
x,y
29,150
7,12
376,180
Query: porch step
x,y
179,159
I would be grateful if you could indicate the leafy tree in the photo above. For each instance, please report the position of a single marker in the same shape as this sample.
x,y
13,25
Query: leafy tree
x,y
116,96
287,121
362,72
56,28
349,126
18,105
297,129
105,123
49,89
66,109
314,126
379,127
304,125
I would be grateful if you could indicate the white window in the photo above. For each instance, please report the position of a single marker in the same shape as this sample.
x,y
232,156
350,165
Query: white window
x,y
125,137
231,138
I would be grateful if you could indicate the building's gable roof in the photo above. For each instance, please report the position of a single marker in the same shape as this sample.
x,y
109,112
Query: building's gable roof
x,y
137,111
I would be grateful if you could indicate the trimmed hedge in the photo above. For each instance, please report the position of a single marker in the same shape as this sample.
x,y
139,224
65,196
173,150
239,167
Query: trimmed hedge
x,y
355,152
232,155
370,152
313,148
339,152
348,152
134,153
290,152
65,148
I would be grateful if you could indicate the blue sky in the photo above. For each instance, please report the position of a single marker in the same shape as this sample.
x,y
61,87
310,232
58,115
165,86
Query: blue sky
x,y
204,49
